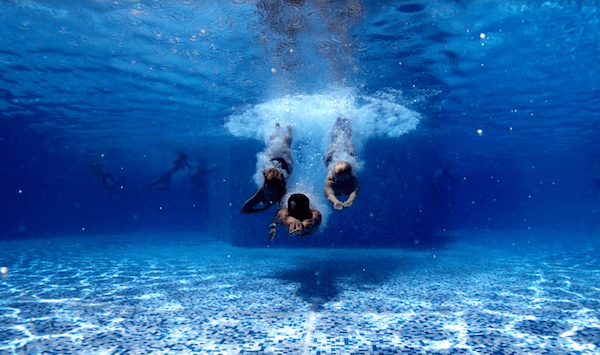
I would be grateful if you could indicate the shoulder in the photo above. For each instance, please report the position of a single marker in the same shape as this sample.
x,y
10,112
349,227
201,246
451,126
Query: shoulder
x,y
316,214
282,213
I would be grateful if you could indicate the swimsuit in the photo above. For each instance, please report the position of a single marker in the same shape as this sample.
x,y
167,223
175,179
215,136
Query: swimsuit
x,y
328,158
284,165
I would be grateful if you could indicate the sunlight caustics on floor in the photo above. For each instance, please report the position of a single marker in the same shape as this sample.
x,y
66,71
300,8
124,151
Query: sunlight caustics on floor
x,y
74,296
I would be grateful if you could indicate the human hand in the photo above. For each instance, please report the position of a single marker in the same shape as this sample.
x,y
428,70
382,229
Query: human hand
x,y
296,228
338,205
348,203
272,233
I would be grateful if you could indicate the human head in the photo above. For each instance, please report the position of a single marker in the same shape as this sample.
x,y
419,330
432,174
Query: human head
x,y
342,168
298,205
275,182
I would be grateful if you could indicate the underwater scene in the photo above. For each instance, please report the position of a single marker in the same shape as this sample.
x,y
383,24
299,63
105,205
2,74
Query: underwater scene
x,y
299,177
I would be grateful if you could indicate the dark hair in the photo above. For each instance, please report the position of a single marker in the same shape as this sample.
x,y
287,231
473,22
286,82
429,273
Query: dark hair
x,y
301,209
275,178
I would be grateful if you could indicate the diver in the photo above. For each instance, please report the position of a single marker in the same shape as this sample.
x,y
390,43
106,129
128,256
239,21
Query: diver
x,y
279,166
104,177
297,216
341,178
164,181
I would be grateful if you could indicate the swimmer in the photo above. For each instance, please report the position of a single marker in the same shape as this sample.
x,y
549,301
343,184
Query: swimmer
x,y
341,179
104,177
298,216
280,166
164,181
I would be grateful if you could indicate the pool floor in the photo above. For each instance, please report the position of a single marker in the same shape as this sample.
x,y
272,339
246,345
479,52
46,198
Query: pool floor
x,y
137,295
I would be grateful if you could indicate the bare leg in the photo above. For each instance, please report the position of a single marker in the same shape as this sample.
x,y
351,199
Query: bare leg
x,y
288,137
275,132
341,141
341,130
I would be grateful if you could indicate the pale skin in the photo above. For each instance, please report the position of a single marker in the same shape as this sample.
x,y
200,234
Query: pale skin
x,y
341,180
297,228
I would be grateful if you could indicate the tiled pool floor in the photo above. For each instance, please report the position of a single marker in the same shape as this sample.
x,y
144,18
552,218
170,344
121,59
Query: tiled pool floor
x,y
75,296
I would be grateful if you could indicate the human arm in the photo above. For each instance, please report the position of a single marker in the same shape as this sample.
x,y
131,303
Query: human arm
x,y
161,183
353,194
281,218
307,226
330,193
250,205
272,231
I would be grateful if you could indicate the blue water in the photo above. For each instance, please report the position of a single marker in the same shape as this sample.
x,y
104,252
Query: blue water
x,y
476,230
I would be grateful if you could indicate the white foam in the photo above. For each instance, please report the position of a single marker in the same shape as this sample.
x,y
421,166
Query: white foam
x,y
315,114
